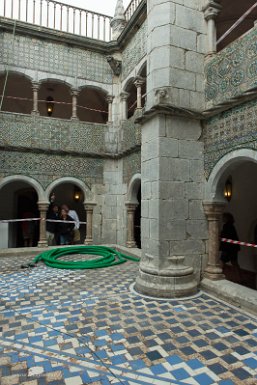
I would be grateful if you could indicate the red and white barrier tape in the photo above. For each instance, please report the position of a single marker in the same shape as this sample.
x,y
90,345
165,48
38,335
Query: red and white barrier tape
x,y
238,242
38,219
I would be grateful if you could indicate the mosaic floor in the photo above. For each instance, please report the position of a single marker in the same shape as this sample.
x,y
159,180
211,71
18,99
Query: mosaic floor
x,y
66,327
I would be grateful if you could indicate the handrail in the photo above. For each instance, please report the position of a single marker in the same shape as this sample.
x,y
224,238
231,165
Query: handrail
x,y
59,16
131,8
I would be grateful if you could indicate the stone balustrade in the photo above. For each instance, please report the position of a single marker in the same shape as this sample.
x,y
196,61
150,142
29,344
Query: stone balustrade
x,y
44,133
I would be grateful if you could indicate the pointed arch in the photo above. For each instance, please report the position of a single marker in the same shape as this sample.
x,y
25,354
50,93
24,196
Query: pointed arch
x,y
133,188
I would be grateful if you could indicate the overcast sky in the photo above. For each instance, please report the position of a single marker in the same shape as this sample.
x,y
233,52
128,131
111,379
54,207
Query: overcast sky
x,y
107,7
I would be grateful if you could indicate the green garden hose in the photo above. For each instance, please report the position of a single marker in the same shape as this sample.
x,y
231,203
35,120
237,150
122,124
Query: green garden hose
x,y
106,256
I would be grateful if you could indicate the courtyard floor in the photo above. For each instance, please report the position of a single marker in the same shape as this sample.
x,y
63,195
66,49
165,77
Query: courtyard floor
x,y
73,327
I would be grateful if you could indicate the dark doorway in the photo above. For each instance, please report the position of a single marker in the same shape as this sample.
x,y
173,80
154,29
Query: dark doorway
x,y
27,208
137,221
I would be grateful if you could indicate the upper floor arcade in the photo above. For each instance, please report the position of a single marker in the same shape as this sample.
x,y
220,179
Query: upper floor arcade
x,y
230,65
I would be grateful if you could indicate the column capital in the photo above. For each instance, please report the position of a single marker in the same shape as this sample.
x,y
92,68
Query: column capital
x,y
213,210
139,81
43,206
109,98
124,95
131,205
89,205
212,9
35,85
74,92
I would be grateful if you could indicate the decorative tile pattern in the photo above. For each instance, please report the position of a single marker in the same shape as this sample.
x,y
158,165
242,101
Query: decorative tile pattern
x,y
51,57
134,51
233,70
227,131
61,327
43,167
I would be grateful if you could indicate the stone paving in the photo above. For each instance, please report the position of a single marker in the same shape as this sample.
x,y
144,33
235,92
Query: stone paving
x,y
74,327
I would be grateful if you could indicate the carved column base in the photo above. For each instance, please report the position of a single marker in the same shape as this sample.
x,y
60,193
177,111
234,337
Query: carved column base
x,y
42,243
88,241
214,272
131,244
175,281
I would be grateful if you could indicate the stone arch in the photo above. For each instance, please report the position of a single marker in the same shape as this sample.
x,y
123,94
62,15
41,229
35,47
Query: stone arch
x,y
18,96
59,92
84,188
133,187
92,104
220,172
32,182
240,165
133,205
142,70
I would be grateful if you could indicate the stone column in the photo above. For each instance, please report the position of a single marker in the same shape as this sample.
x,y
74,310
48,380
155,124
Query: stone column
x,y
124,97
109,99
35,87
213,212
131,207
74,94
138,83
89,207
42,207
211,11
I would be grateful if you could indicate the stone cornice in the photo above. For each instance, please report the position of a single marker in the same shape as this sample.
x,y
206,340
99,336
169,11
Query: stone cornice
x,y
168,109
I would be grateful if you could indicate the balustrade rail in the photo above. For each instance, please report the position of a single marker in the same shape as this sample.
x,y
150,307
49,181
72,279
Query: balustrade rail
x,y
131,8
59,16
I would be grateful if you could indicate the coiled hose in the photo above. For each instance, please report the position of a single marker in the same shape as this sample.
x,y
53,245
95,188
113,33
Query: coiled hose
x,y
106,256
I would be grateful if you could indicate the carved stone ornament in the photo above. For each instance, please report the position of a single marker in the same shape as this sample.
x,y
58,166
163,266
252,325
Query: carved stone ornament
x,y
115,65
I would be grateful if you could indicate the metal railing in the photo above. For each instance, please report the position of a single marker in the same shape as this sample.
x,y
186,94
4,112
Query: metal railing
x,y
131,8
58,16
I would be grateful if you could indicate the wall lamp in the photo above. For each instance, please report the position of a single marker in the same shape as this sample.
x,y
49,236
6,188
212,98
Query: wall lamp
x,y
228,189
77,194
49,105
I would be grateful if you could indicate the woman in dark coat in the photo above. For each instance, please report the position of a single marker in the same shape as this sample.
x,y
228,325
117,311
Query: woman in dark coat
x,y
65,229
229,251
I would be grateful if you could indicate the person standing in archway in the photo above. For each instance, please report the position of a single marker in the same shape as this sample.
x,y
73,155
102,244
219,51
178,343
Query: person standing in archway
x,y
229,251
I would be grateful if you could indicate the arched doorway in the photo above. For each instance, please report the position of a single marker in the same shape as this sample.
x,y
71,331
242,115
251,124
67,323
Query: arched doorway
x,y
134,212
240,167
19,201
72,195
137,220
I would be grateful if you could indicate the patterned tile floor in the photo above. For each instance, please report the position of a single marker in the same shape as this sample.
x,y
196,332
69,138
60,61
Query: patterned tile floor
x,y
74,327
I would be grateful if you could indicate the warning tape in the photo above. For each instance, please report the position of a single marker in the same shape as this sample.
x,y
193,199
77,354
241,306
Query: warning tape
x,y
39,219
238,242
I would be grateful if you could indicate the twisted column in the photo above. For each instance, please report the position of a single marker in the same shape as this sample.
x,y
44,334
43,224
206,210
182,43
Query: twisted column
x,y
74,94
